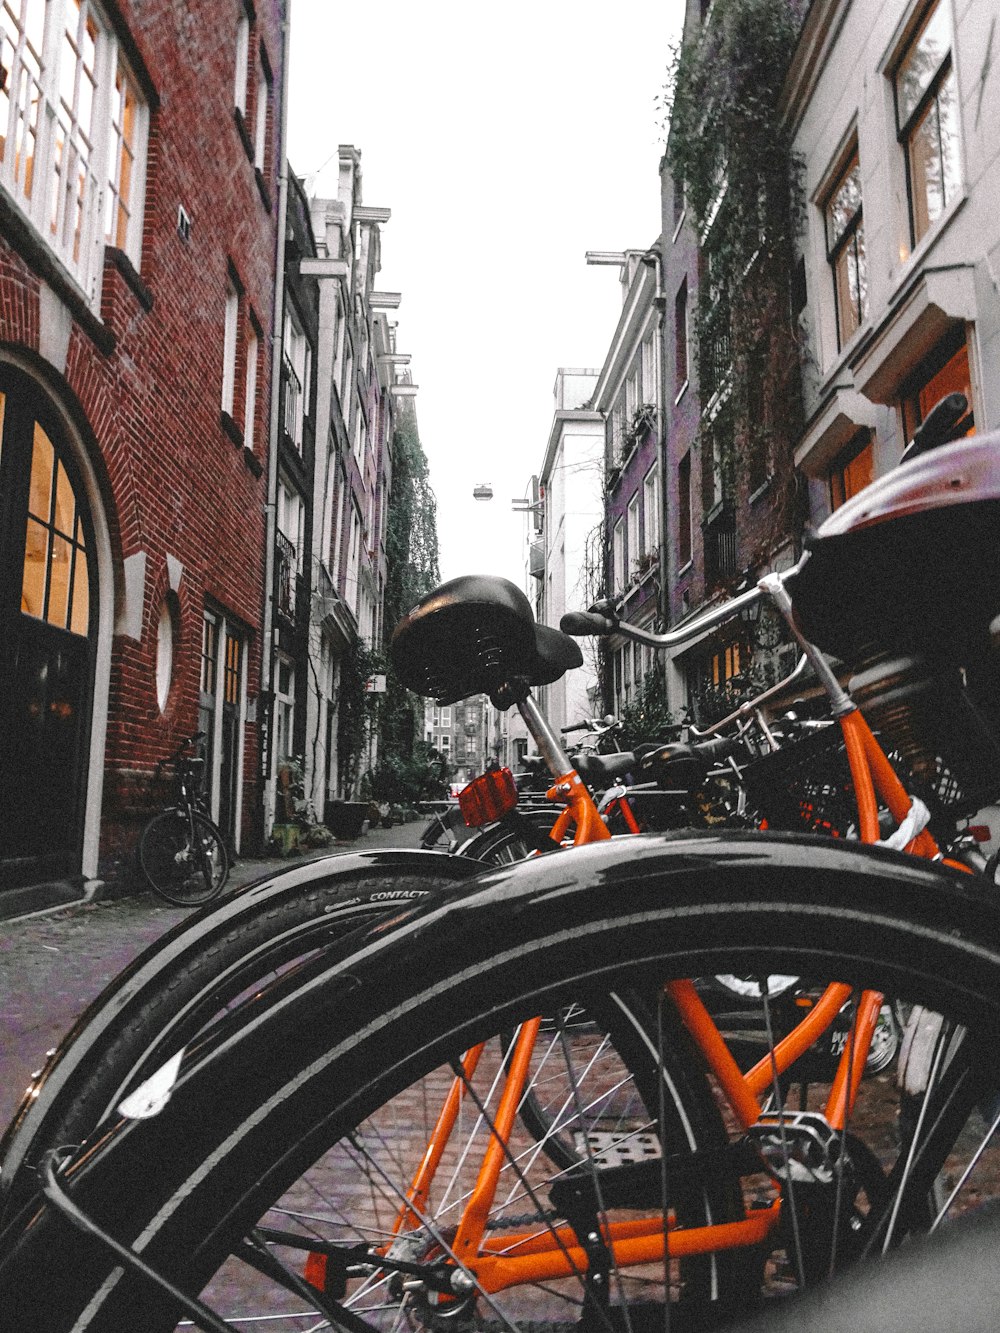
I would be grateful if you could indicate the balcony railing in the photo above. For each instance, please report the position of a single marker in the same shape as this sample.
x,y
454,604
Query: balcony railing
x,y
286,576
293,403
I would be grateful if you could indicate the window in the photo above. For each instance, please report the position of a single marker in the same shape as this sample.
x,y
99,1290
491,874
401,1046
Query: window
x,y
291,518
55,585
852,471
651,511
242,62
684,510
260,120
927,121
633,532
284,710
681,338
164,655
446,717
296,368
618,557
648,390
229,347
845,241
679,203
945,370
631,395
352,587
74,135
250,396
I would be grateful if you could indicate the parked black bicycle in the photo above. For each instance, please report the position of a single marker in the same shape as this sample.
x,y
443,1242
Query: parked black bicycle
x,y
182,852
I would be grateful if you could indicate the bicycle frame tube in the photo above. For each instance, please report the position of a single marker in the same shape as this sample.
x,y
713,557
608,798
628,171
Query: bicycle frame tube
x,y
551,1253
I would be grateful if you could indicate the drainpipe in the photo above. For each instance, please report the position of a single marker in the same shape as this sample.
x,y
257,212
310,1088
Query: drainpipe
x,y
654,259
267,647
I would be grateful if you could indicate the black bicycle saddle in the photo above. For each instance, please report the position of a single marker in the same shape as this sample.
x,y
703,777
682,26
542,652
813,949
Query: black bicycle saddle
x,y
478,635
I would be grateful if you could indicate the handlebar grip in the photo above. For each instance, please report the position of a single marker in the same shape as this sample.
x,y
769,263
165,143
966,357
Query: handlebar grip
x,y
939,426
582,623
574,726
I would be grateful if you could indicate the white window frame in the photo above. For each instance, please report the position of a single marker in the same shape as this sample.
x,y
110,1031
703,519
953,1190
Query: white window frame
x,y
632,519
74,179
651,510
229,339
260,118
250,393
242,74
618,556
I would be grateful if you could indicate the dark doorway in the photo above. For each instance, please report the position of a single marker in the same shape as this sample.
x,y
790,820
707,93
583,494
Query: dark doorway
x,y
48,597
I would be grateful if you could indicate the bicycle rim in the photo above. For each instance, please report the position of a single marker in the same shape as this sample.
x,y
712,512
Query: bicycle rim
x,y
328,1138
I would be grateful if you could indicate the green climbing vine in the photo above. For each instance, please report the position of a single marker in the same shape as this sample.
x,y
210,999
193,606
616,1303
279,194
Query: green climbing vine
x,y
728,144
404,766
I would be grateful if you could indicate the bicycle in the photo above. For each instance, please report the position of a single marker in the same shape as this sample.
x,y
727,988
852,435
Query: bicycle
x,y
345,1034
182,852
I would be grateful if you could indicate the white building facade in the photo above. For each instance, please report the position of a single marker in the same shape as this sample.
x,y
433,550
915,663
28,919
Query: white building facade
x,y
894,109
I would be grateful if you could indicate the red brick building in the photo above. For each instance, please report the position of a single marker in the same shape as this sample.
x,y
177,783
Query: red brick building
x,y
140,198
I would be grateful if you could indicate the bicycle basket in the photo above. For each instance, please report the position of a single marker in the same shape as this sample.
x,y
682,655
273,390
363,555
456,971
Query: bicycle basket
x,y
933,728
805,786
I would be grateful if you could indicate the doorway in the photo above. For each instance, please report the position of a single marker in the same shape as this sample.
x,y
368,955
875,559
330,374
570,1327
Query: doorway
x,y
48,603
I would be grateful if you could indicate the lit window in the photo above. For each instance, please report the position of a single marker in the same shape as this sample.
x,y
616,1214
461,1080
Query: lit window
x,y
845,240
927,121
55,582
853,470
945,370
74,133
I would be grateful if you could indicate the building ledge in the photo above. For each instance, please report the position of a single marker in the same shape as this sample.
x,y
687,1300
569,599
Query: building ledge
x,y
841,414
925,308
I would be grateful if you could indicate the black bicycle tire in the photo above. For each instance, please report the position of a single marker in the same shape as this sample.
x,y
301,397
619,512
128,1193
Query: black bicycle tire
x,y
165,821
262,937
374,1025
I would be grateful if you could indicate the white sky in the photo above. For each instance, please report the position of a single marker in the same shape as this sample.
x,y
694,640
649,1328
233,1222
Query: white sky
x,y
507,140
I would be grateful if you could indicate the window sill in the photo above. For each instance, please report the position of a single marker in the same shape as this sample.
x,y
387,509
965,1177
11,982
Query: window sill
x,y
231,429
244,133
685,569
762,489
678,225
262,189
682,391
252,462
903,275
23,238
120,260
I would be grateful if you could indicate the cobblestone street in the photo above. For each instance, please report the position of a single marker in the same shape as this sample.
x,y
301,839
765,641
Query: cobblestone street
x,y
52,965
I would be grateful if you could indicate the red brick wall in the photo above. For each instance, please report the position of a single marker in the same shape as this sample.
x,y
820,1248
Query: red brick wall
x,y
177,482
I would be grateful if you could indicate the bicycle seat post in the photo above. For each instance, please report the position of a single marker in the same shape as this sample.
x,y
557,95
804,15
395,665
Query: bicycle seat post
x,y
550,747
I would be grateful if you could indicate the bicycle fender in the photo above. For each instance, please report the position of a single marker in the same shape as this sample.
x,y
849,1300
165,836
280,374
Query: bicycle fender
x,y
53,1088
650,878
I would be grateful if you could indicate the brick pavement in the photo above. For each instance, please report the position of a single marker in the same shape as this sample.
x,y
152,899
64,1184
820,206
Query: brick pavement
x,y
54,963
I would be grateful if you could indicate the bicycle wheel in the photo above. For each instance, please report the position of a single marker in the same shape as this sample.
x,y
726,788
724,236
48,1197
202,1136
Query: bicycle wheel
x,y
184,984
183,857
293,1139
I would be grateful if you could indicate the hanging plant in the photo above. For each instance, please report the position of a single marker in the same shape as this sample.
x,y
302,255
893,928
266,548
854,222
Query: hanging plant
x,y
727,142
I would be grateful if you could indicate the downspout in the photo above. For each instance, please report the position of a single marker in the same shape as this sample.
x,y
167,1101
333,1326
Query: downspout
x,y
654,258
267,647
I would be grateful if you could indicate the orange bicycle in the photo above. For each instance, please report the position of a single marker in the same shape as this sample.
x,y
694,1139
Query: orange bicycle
x,y
352,1133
